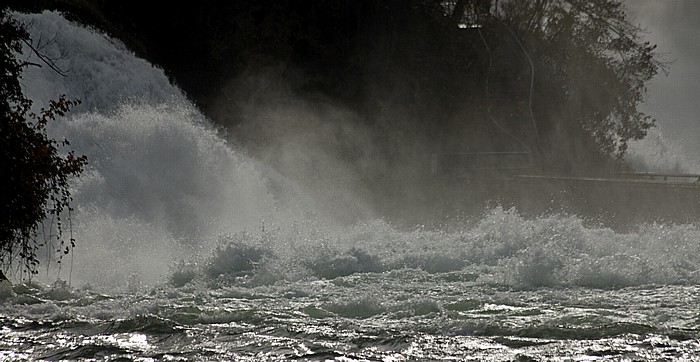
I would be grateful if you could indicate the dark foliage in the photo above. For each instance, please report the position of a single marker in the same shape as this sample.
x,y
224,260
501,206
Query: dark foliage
x,y
560,80
35,172
596,66
550,72
433,55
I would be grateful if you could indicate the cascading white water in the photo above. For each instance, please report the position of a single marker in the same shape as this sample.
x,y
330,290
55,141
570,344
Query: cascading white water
x,y
158,175
161,185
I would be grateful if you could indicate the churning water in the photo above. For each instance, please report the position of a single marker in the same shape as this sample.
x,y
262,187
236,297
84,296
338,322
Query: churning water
x,y
189,250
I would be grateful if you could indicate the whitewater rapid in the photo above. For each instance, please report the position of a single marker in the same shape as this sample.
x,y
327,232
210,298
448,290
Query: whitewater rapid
x,y
187,249
160,181
162,186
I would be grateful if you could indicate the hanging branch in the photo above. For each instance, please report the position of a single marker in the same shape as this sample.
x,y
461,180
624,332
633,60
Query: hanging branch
x,y
48,61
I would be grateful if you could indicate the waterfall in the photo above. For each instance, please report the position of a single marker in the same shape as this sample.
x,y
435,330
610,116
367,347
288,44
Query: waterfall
x,y
159,175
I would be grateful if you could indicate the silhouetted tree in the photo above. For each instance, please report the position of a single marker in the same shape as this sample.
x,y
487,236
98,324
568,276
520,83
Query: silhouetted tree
x,y
35,173
596,63
559,78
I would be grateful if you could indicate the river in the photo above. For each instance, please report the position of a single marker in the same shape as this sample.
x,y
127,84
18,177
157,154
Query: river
x,y
186,251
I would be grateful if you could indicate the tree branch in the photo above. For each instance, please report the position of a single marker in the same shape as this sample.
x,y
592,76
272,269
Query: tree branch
x,y
48,61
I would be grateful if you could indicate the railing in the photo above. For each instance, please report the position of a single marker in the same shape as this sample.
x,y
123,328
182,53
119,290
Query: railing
x,y
666,177
465,164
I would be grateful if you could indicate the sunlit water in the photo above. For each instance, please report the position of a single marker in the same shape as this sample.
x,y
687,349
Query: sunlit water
x,y
400,315
188,251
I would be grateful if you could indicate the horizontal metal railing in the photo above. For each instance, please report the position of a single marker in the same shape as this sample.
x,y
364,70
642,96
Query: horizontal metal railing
x,y
663,176
456,164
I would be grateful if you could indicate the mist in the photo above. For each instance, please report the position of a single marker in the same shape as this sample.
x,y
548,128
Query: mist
x,y
351,164
672,99
300,210
276,148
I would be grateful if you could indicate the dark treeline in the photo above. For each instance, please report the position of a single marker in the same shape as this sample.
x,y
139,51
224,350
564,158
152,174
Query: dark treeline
x,y
560,79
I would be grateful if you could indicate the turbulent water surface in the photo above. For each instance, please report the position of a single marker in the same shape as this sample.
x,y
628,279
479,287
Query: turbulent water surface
x,y
400,315
189,250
